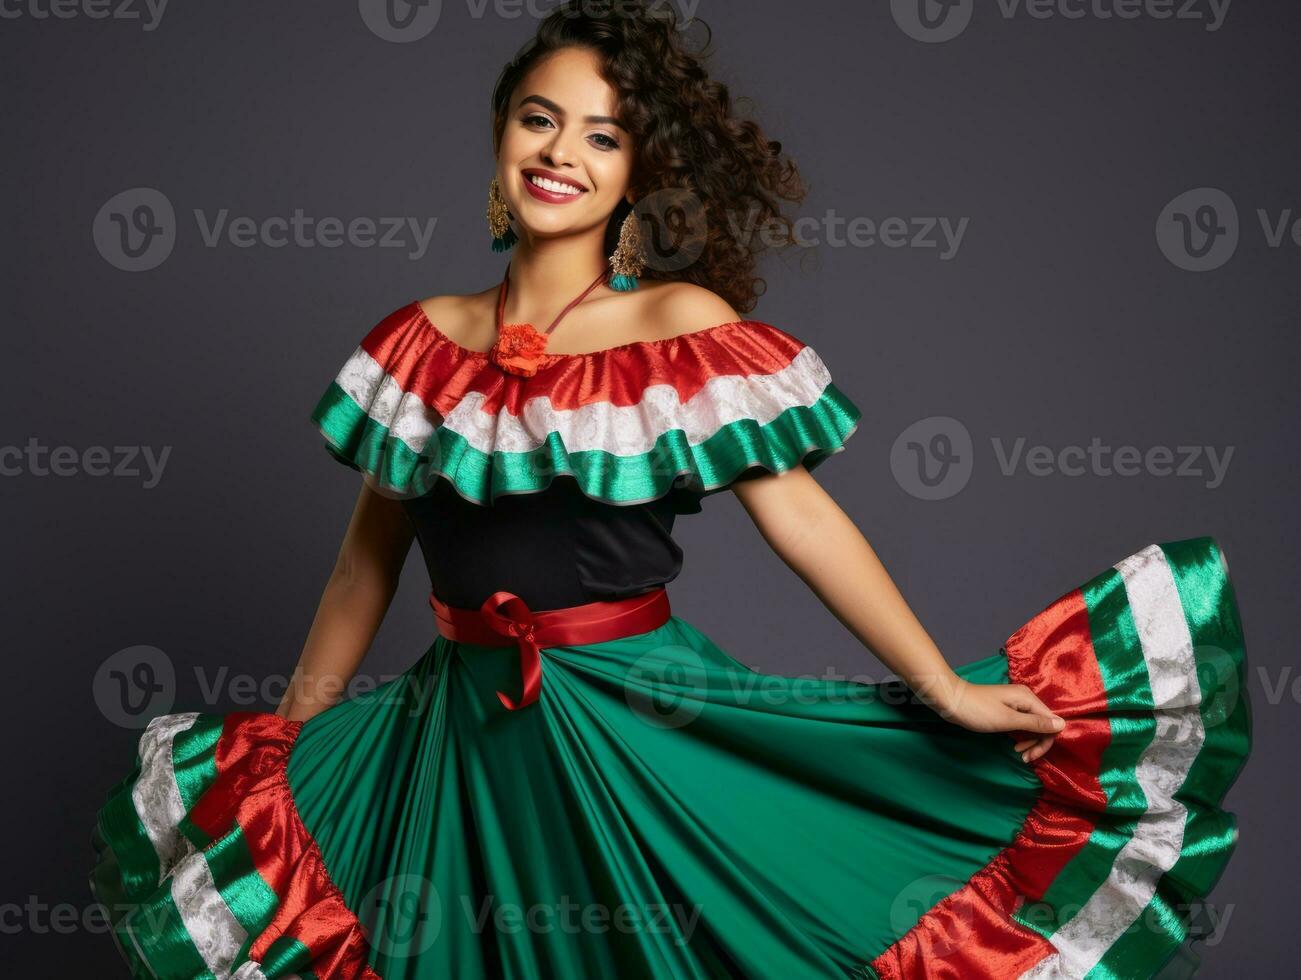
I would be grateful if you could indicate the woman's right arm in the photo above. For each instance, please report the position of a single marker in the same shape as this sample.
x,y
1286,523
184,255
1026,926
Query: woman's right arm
x,y
356,597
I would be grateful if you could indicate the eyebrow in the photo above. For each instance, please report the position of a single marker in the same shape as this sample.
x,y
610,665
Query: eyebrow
x,y
550,106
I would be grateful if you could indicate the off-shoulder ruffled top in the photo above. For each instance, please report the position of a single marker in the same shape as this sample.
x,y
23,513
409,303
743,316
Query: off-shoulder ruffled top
x,y
637,434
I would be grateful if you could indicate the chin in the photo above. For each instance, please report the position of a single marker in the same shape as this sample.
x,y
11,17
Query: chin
x,y
552,232
550,224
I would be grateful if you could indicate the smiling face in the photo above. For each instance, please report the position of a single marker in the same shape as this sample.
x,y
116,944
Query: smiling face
x,y
563,163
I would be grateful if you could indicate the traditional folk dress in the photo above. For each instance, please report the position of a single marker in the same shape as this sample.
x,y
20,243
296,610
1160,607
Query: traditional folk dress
x,y
573,782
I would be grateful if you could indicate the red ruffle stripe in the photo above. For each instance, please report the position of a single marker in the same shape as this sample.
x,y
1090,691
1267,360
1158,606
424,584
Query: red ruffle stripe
x,y
971,932
425,362
252,789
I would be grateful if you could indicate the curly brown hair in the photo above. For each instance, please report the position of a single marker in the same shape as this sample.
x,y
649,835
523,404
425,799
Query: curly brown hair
x,y
689,142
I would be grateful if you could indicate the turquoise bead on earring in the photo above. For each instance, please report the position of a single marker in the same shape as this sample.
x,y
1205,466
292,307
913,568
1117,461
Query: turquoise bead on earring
x,y
504,242
624,284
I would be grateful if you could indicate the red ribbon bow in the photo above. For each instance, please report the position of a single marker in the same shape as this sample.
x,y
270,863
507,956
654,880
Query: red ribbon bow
x,y
520,625
505,618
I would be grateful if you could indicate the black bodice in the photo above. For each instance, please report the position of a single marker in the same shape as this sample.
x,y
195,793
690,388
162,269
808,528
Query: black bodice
x,y
553,548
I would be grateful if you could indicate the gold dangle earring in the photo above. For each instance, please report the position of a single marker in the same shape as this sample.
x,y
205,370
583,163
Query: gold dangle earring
x,y
503,235
629,258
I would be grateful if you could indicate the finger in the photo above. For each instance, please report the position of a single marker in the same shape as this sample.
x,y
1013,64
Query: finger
x,y
1055,721
1020,697
1026,701
1027,739
1039,750
1035,750
1033,723
1026,704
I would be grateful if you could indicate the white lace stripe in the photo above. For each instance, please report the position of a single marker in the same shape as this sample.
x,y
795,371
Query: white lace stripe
x,y
155,795
623,430
212,927
1162,768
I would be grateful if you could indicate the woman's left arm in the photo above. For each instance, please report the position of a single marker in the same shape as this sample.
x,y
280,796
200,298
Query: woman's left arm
x,y
822,545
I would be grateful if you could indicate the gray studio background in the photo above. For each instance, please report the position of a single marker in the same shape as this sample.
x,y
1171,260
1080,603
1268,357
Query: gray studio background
x,y
1061,317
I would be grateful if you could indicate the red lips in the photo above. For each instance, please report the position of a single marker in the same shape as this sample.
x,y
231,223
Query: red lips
x,y
551,197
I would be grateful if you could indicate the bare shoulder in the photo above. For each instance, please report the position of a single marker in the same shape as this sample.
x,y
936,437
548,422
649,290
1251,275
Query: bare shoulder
x,y
449,307
674,308
462,317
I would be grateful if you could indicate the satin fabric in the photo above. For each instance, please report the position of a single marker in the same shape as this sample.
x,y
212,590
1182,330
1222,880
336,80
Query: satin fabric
x,y
661,811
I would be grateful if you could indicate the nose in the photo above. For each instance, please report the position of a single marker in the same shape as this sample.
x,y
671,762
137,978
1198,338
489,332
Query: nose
x,y
557,152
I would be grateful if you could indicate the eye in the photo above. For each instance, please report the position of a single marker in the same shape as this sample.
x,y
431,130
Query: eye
x,y
535,117
609,144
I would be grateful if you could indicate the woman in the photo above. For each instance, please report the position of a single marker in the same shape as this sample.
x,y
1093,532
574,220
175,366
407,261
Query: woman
x,y
572,781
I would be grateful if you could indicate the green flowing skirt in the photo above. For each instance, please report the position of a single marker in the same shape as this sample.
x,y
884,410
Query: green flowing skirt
x,y
664,811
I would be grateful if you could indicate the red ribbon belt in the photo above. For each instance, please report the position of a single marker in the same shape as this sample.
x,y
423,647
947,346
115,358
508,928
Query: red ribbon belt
x,y
504,618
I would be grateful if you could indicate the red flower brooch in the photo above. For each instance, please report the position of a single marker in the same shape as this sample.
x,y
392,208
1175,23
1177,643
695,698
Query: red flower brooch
x,y
519,349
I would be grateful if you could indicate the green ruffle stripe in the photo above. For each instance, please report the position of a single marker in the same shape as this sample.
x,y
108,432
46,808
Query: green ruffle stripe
x,y
1210,833
808,434
140,902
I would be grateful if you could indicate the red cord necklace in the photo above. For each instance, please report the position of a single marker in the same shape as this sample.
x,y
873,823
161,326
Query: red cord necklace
x,y
519,347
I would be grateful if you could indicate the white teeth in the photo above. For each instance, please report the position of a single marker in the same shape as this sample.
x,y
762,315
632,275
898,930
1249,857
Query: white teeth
x,y
553,185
